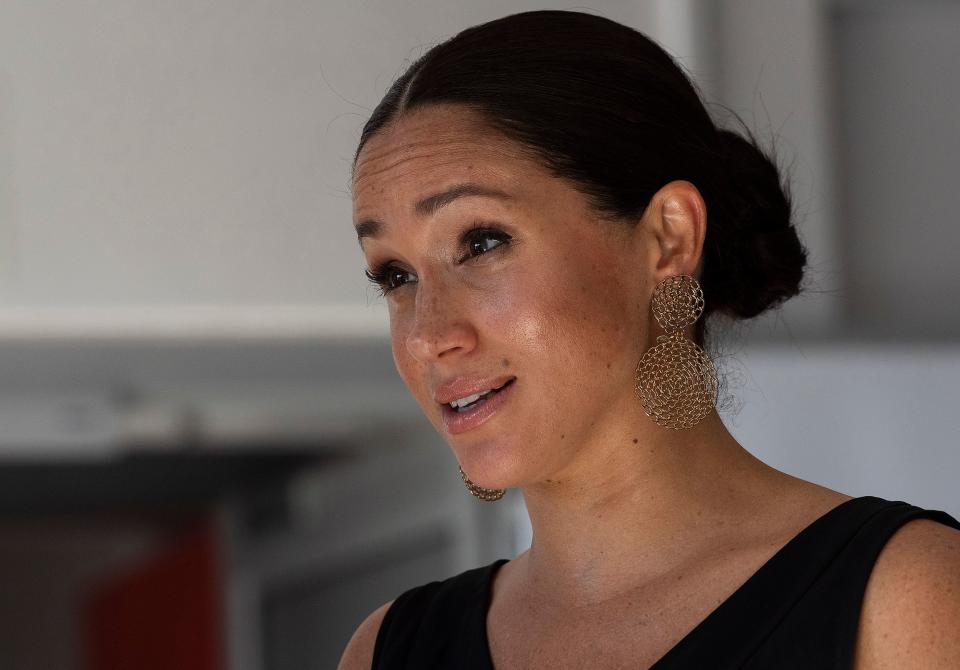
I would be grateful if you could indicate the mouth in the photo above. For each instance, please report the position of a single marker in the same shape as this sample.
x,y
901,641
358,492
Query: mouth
x,y
483,397
479,411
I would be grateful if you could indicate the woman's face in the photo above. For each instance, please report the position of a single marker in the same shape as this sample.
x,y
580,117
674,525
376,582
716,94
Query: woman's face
x,y
528,285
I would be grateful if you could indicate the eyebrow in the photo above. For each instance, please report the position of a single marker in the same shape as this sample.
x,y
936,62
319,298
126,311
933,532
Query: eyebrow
x,y
432,204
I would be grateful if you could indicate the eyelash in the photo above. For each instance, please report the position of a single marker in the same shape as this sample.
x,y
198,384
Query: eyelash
x,y
381,273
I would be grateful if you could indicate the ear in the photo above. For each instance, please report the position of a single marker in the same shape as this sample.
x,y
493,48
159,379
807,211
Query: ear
x,y
676,225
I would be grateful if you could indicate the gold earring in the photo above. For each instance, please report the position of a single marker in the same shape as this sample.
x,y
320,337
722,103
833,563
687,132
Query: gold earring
x,y
676,380
479,491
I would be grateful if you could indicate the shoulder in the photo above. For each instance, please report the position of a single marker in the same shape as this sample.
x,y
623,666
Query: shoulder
x,y
358,654
439,604
910,615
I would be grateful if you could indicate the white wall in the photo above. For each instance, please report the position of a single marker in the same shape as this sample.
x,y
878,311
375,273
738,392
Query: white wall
x,y
773,70
196,155
898,95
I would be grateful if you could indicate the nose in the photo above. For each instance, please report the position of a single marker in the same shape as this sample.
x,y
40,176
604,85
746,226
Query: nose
x,y
439,326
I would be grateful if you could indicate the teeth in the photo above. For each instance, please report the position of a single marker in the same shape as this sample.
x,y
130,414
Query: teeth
x,y
456,404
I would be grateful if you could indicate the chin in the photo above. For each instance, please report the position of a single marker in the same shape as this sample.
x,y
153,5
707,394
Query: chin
x,y
489,464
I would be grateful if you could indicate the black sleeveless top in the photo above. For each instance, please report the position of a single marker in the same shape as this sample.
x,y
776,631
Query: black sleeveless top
x,y
800,609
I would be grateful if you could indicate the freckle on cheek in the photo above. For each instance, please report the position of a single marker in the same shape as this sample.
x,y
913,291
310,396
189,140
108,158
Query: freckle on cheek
x,y
505,363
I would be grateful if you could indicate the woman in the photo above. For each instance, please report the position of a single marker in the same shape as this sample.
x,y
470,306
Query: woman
x,y
552,217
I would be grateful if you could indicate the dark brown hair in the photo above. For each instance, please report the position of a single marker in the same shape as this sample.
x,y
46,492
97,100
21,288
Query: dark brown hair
x,y
605,107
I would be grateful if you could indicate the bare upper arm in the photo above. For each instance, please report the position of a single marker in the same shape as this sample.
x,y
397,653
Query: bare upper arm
x,y
910,617
358,654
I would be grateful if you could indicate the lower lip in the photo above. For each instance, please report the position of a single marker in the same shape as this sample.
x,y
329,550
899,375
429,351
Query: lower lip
x,y
459,422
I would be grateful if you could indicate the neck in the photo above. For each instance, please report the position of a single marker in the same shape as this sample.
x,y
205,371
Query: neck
x,y
633,504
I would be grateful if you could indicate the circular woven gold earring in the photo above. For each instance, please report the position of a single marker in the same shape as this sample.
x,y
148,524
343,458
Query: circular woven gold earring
x,y
676,380
479,491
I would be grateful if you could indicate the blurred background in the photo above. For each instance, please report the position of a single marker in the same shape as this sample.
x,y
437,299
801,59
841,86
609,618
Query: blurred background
x,y
207,458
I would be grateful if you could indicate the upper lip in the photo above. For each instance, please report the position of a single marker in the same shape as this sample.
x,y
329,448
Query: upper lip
x,y
461,387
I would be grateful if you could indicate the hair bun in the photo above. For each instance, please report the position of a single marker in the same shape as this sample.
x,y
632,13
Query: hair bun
x,y
761,258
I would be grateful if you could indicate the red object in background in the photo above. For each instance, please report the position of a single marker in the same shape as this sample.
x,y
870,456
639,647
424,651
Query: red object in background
x,y
163,614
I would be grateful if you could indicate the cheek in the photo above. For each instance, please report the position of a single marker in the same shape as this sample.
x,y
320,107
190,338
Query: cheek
x,y
572,320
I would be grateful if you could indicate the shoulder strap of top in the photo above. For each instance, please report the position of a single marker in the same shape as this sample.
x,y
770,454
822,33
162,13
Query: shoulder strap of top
x,y
803,609
434,625
829,612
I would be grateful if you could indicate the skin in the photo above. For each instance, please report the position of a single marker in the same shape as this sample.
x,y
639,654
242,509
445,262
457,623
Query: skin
x,y
628,517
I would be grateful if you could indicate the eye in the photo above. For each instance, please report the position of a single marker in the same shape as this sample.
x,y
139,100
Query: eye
x,y
382,277
474,240
387,277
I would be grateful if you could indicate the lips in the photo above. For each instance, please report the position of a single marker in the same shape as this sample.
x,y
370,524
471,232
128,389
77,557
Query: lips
x,y
475,415
463,387
482,396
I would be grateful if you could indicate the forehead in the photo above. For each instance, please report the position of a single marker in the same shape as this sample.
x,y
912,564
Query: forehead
x,y
432,147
